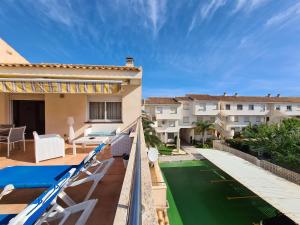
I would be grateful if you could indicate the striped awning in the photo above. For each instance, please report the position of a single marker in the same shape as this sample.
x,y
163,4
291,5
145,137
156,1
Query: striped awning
x,y
41,86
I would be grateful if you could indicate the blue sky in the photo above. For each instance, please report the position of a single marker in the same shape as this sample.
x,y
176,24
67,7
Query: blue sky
x,y
208,46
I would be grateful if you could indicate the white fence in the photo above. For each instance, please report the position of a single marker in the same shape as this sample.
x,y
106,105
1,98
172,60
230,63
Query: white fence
x,y
277,170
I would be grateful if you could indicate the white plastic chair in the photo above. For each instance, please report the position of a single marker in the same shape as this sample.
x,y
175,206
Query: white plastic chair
x,y
48,146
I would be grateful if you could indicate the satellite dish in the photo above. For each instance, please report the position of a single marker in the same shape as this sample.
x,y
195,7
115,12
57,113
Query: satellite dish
x,y
153,155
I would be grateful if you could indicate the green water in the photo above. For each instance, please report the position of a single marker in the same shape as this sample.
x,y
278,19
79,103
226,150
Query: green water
x,y
197,195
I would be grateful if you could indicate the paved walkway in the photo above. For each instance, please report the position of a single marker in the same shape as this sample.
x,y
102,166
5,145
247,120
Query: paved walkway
x,y
192,154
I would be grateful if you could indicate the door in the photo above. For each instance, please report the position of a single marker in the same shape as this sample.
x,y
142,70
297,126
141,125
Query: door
x,y
30,114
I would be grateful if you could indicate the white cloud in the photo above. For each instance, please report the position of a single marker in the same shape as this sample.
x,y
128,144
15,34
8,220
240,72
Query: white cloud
x,y
205,11
210,8
157,13
58,11
285,16
248,5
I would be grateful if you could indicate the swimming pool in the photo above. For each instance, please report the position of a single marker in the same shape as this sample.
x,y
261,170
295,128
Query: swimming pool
x,y
199,193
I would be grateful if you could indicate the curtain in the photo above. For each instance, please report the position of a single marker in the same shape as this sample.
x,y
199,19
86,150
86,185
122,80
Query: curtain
x,y
114,110
97,110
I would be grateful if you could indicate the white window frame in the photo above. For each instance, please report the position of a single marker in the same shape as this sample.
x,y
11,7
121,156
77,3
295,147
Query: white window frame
x,y
258,119
263,108
247,119
277,107
202,107
173,110
186,120
216,106
172,123
237,107
158,110
226,106
289,106
251,107
236,119
105,110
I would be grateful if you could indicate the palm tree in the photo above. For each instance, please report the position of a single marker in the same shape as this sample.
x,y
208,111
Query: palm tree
x,y
202,127
149,132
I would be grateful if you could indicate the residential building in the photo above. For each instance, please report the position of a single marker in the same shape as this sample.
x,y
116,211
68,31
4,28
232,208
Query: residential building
x,y
230,114
43,96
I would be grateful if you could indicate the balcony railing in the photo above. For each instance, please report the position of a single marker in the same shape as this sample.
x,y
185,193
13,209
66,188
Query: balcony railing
x,y
136,205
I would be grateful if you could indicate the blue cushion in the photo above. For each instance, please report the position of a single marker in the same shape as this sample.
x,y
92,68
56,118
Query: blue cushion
x,y
32,176
4,219
102,133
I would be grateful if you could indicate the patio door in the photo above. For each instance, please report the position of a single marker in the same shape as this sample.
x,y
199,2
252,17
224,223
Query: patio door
x,y
30,114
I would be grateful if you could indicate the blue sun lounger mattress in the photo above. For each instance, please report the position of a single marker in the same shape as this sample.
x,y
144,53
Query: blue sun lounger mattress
x,y
32,176
4,219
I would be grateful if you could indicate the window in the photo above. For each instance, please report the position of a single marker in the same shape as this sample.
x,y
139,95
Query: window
x,y
212,119
298,108
159,110
263,108
171,136
227,106
202,107
289,108
236,119
186,106
246,119
172,123
173,110
215,106
258,119
105,110
277,107
97,110
239,107
251,107
186,119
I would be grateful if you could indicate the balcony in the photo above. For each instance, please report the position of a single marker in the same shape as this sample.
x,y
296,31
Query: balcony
x,y
117,191
167,116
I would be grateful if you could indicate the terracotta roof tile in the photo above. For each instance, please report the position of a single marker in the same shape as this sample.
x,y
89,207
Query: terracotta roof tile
x,y
71,66
183,98
162,101
245,98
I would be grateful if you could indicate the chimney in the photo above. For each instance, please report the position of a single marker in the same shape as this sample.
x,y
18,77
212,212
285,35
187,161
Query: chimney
x,y
268,95
129,62
225,94
236,94
278,95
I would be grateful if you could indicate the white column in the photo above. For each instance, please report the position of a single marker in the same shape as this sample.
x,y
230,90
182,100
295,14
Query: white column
x,y
178,141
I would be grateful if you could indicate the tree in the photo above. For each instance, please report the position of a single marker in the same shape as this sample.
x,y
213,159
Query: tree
x,y
149,132
280,141
202,127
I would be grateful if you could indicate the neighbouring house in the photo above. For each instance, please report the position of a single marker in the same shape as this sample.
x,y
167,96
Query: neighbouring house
x,y
175,116
43,96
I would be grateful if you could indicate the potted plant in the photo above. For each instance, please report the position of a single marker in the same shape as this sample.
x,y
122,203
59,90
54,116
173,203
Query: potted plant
x,y
125,159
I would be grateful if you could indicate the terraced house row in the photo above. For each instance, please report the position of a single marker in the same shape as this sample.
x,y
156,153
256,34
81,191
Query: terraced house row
x,y
175,117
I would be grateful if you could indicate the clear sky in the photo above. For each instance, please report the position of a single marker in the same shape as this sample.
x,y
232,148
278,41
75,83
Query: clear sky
x,y
207,46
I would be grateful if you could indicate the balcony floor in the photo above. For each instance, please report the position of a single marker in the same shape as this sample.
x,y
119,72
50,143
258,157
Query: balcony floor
x,y
107,191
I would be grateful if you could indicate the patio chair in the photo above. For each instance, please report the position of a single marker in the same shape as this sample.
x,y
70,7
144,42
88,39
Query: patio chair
x,y
48,146
15,134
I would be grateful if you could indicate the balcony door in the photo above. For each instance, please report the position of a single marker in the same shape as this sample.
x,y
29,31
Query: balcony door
x,y
30,114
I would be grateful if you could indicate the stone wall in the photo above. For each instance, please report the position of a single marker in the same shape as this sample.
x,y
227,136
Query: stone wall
x,y
277,170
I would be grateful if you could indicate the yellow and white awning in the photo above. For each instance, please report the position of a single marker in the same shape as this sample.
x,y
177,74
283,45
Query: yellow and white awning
x,y
40,86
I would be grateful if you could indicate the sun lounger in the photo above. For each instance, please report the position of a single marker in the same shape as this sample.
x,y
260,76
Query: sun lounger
x,y
35,212
58,178
45,176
